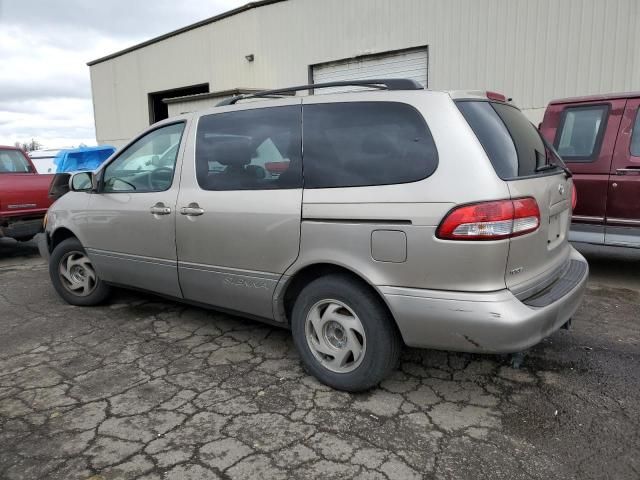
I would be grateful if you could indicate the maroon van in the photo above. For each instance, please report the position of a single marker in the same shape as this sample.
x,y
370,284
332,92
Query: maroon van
x,y
599,139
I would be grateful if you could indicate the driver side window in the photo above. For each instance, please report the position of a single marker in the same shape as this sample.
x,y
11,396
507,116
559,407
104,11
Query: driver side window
x,y
148,164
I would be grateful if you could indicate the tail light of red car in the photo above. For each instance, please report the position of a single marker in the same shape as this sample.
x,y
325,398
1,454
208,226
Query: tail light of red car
x,y
574,197
493,220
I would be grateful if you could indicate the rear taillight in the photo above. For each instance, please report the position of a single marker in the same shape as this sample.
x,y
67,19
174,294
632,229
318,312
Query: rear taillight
x,y
574,197
491,220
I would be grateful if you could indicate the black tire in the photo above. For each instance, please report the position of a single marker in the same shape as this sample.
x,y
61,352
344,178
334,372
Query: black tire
x,y
99,290
383,342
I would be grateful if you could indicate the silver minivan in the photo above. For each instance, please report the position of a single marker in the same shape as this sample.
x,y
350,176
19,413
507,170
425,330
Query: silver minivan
x,y
362,221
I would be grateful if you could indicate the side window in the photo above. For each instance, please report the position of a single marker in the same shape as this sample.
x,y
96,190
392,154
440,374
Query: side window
x,y
580,133
365,143
12,161
635,137
148,164
256,149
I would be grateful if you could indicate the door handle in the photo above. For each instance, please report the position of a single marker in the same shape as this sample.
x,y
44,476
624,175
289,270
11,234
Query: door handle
x,y
160,209
193,210
628,171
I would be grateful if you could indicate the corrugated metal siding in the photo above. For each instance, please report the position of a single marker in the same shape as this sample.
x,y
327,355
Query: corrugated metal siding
x,y
532,50
404,64
187,106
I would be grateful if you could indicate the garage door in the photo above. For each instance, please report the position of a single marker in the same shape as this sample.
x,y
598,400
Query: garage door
x,y
403,64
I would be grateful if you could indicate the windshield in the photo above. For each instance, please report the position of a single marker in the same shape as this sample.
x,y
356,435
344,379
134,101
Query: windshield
x,y
13,161
513,144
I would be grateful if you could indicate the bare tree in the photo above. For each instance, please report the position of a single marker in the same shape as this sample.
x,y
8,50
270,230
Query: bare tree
x,y
29,146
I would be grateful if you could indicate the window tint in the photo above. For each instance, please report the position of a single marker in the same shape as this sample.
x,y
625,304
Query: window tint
x,y
147,165
12,161
493,135
365,143
580,133
635,137
514,146
250,149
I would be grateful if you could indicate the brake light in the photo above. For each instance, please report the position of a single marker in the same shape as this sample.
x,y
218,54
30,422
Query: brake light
x,y
491,220
496,96
574,197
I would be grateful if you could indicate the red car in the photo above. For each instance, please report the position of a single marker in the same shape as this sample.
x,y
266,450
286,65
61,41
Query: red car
x,y
24,198
598,137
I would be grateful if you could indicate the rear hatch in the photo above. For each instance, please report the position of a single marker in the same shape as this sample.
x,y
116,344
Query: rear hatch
x,y
531,168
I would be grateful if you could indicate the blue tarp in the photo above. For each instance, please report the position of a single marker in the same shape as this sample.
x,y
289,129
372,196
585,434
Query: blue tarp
x,y
83,158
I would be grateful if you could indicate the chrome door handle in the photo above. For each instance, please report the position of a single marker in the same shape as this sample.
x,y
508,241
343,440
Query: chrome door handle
x,y
628,171
193,210
160,209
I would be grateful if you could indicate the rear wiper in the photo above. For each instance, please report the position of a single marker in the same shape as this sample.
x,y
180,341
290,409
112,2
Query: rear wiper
x,y
551,166
566,171
552,155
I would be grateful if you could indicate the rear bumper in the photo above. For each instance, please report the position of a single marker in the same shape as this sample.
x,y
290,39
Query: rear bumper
x,y
494,322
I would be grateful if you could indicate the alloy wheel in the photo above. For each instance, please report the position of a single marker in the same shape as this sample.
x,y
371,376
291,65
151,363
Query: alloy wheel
x,y
77,274
335,336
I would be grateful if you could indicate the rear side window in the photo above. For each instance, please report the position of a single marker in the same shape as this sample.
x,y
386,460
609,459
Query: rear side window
x,y
256,149
365,143
514,146
580,133
635,137
12,161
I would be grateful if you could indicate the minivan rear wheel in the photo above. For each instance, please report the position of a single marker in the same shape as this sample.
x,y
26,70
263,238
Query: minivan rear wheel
x,y
73,275
344,334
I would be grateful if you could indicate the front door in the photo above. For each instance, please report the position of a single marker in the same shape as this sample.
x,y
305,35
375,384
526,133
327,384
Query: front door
x,y
238,227
623,202
131,220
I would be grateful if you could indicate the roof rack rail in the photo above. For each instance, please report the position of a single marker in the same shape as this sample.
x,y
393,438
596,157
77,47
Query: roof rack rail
x,y
381,84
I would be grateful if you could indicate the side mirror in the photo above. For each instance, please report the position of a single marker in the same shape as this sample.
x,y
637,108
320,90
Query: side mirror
x,y
82,182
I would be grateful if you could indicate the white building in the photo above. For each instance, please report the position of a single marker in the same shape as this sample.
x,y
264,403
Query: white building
x,y
530,50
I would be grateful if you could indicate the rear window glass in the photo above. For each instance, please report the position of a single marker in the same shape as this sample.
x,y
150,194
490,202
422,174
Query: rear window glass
x,y
514,146
580,133
635,137
365,143
12,161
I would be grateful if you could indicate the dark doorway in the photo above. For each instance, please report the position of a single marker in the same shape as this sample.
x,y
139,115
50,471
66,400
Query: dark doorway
x,y
158,110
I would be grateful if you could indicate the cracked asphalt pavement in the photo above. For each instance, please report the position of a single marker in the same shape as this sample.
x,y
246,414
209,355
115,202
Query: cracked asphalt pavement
x,y
144,388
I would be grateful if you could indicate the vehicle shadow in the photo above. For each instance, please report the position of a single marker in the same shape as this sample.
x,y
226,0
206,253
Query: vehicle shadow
x,y
615,267
10,249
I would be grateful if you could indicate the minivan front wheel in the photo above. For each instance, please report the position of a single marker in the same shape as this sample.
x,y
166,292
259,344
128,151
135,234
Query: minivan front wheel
x,y
74,276
344,333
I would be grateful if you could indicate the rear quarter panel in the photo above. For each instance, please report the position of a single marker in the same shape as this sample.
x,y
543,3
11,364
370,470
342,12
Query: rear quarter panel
x,y
338,223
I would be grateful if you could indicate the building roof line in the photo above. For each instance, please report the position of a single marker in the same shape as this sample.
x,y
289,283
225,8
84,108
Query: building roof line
x,y
193,26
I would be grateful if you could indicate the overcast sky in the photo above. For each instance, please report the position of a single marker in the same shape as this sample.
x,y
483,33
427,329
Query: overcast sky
x,y
45,92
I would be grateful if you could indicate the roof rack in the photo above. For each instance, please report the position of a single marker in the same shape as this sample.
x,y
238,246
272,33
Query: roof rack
x,y
381,84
